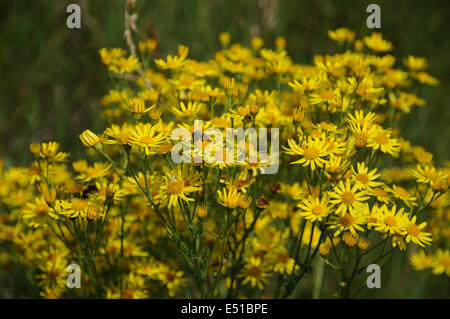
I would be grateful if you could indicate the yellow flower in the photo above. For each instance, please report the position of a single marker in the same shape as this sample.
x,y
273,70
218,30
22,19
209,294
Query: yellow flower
x,y
342,35
376,43
172,279
137,106
229,197
348,222
364,179
89,139
314,209
324,249
35,148
245,202
255,273
441,262
228,83
359,118
306,84
147,45
188,110
224,39
119,134
390,221
202,211
348,197
427,174
75,208
110,56
421,261
50,151
335,165
328,96
172,63
382,140
415,63
52,273
381,194
175,188
415,234
403,194
283,263
280,43
313,152
256,43
49,195
146,137
426,78
94,172
36,212
108,192
128,65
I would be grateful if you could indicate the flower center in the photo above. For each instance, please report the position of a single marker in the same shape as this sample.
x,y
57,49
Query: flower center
x,y
41,210
348,198
175,187
317,210
53,273
361,139
382,139
347,220
283,258
102,191
146,139
401,192
379,192
311,153
34,170
254,271
445,262
170,277
390,221
363,178
413,230
327,95
430,174
123,138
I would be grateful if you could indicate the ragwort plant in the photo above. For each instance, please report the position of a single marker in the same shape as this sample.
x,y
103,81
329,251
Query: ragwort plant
x,y
349,190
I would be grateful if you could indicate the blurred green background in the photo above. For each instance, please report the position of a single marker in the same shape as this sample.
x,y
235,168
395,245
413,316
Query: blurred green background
x,y
52,78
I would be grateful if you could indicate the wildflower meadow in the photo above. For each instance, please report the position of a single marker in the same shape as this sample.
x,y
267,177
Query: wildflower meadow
x,y
243,173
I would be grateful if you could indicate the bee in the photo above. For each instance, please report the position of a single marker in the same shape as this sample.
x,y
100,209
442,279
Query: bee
x,y
91,188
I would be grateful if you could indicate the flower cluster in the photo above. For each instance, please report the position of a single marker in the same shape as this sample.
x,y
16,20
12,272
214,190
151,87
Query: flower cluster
x,y
140,225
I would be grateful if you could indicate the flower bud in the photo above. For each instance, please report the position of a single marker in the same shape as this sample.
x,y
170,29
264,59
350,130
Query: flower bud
x,y
202,211
35,148
48,194
363,243
324,249
89,139
350,239
91,214
245,202
262,202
